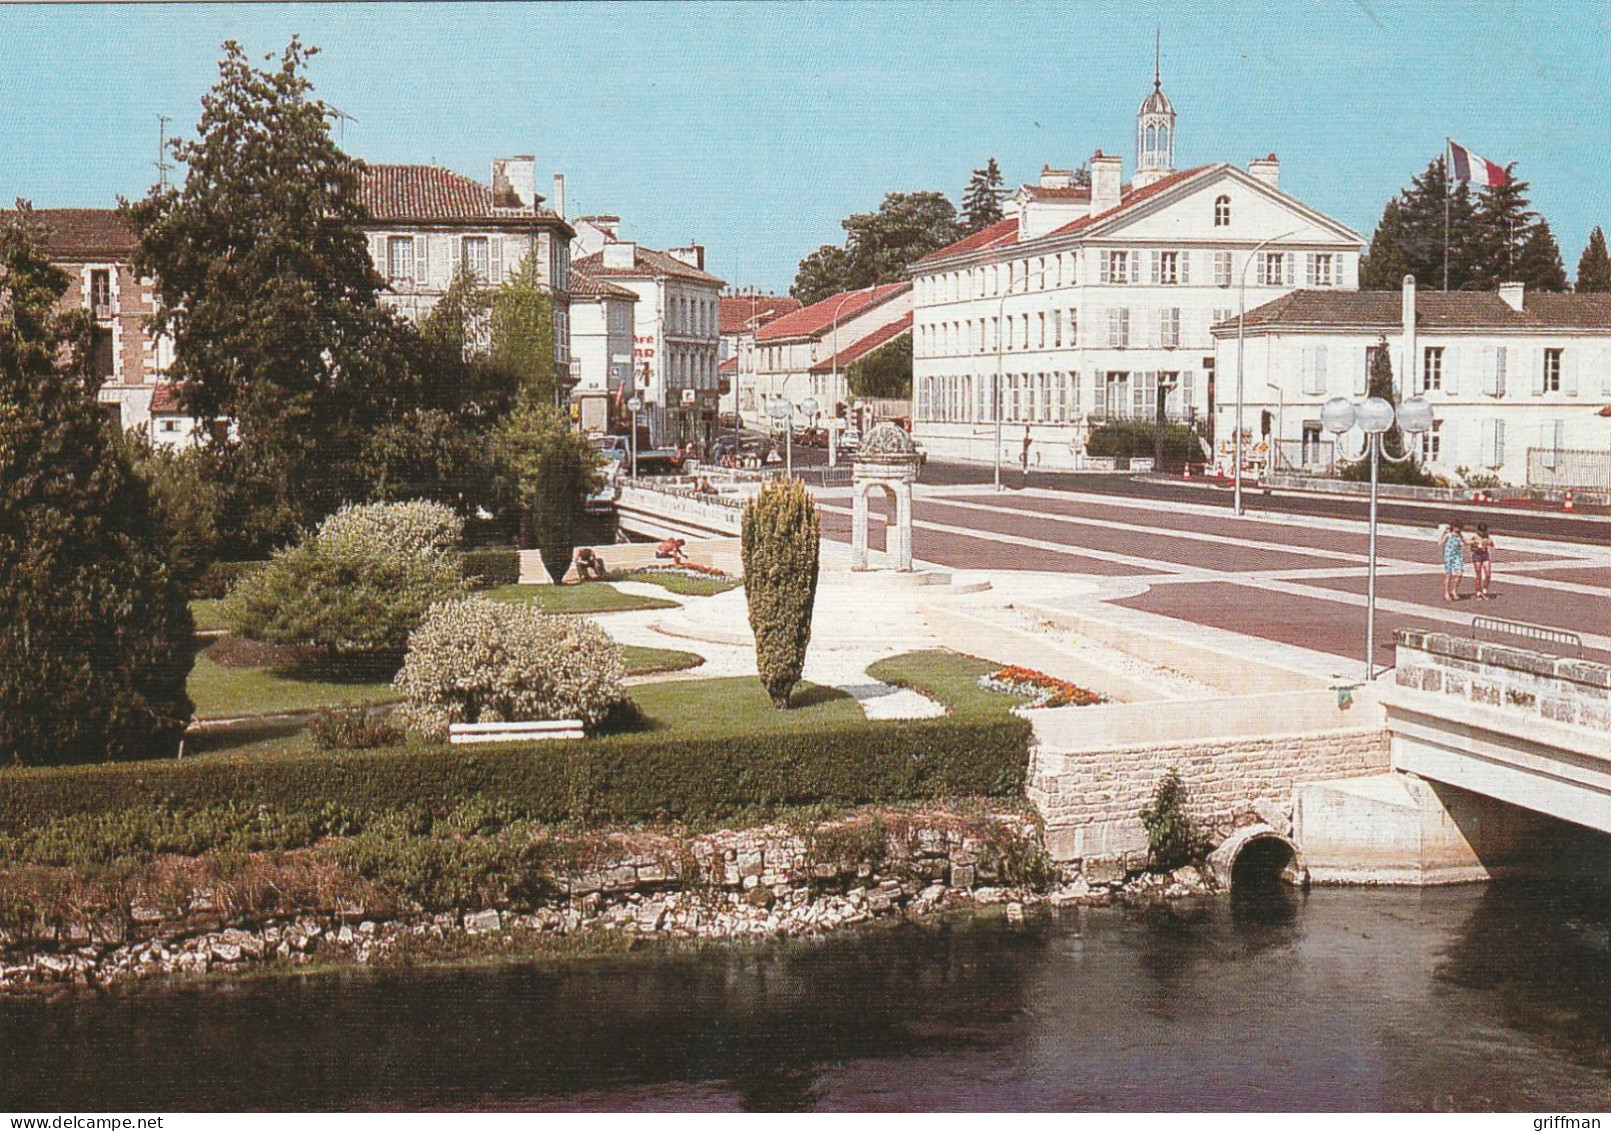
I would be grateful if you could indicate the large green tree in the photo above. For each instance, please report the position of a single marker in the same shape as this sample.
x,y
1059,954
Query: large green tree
x,y
550,469
879,246
981,200
886,372
96,639
1594,266
266,287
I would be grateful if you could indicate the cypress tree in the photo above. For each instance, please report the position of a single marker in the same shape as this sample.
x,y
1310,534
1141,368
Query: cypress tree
x,y
1594,268
1538,260
96,638
981,200
781,544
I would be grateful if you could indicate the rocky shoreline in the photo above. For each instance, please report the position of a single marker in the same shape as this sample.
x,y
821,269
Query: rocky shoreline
x,y
770,882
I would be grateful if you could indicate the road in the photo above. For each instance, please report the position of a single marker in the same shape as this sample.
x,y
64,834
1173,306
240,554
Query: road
x,y
1289,573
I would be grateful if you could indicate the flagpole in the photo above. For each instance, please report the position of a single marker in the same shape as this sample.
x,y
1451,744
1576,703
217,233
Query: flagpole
x,y
1449,182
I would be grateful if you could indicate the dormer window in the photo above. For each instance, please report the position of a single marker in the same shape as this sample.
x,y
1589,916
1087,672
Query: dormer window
x,y
1222,212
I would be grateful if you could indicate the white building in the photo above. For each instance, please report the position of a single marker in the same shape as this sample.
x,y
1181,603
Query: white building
x,y
1506,372
807,353
676,328
1091,303
601,346
742,315
427,223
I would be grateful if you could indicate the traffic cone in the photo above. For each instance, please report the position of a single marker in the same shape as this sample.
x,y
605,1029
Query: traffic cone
x,y
1569,508
1186,473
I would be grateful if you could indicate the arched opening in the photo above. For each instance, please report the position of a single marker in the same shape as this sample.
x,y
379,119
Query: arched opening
x,y
1267,861
1163,141
880,515
1152,139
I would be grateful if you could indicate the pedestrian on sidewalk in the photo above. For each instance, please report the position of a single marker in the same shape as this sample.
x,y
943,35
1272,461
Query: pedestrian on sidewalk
x,y
1024,455
1482,565
1453,546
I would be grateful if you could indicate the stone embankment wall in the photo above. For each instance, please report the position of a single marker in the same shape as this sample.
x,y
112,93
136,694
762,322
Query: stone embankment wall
x,y
1091,798
1555,689
756,883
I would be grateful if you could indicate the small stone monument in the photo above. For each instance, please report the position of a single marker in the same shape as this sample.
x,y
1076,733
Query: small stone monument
x,y
885,460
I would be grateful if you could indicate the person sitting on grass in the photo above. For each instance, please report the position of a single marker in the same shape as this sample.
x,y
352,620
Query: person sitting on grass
x,y
671,548
587,563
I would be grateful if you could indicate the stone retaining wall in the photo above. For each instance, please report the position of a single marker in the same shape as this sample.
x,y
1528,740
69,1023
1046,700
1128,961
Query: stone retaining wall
x,y
1092,800
1556,689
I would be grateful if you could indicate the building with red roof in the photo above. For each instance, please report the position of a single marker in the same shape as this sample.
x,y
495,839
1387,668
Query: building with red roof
x,y
804,355
742,315
1092,299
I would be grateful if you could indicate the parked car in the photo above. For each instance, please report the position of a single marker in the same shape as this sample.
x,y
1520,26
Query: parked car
x,y
751,449
614,449
849,440
811,437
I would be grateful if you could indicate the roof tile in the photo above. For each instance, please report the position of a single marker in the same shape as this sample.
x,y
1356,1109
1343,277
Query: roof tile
x,y
742,312
1434,310
819,316
864,346
86,234
648,262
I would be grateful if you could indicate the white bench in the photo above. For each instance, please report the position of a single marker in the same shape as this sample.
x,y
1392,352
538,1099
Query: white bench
x,y
460,734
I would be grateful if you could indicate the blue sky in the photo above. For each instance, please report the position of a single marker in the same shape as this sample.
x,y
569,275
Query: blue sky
x,y
754,128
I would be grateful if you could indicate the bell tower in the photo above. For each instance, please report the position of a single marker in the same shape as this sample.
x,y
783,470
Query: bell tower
x,y
1155,128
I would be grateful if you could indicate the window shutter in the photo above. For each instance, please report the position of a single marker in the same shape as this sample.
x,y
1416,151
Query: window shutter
x,y
495,259
1157,266
1490,372
1289,264
1362,371
1537,366
1309,386
1320,369
1185,268
421,264
1499,442
1099,394
1188,391
377,252
1309,270
1138,395
1451,369
1106,258
1488,436
1569,372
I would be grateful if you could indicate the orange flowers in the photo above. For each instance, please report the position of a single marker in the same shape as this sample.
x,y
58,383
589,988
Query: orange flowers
x,y
1041,689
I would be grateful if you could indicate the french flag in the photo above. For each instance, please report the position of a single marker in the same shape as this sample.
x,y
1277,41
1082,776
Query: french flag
x,y
1467,166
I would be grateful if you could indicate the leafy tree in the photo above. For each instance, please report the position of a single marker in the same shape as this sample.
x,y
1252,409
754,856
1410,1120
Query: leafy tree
x,y
1173,838
1512,242
981,200
550,470
266,288
96,638
429,454
523,337
1538,260
879,246
1594,267
886,372
186,495
781,545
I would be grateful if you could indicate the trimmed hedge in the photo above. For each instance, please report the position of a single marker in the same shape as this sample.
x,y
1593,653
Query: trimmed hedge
x,y
614,778
488,569
220,576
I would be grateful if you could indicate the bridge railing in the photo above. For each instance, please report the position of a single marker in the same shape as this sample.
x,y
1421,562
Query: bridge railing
x,y
1492,627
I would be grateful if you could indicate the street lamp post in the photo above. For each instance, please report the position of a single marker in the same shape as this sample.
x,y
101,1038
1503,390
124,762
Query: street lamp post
x,y
1241,343
636,405
781,410
1374,417
834,383
1001,337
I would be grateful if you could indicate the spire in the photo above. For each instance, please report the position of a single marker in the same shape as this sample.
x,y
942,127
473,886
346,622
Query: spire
x,y
1155,125
1157,54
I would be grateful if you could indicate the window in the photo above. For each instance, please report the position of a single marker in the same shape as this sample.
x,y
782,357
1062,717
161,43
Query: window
x,y
400,258
1057,329
1169,327
1224,314
1118,327
1116,267
1495,370
1115,394
1432,368
1493,443
1222,212
170,426
1222,268
1432,443
1041,320
1275,268
101,293
1319,270
1166,267
473,258
1552,371
1314,370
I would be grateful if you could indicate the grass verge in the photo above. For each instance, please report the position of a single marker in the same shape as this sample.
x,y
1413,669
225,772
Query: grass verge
x,y
225,692
640,660
949,678
587,597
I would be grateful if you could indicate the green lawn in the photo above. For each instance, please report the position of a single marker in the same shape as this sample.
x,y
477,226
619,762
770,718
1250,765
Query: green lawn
x,y
588,597
641,661
738,705
221,692
206,615
948,677
681,584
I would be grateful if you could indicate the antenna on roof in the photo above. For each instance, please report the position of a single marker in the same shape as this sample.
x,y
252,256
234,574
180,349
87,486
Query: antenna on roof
x,y
1157,53
162,150
342,118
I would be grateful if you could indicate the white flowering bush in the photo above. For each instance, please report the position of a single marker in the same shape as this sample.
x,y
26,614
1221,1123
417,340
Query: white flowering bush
x,y
414,529
480,661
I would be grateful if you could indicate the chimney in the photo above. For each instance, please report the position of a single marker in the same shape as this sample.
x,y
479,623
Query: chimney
x,y
559,194
514,182
1106,172
620,256
1055,178
693,255
1514,294
1266,169
1409,382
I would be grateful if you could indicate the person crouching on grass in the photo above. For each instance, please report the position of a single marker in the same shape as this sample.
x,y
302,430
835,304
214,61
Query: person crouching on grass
x,y
1454,559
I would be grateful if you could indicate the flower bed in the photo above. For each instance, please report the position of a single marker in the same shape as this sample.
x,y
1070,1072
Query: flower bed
x,y
1041,689
686,569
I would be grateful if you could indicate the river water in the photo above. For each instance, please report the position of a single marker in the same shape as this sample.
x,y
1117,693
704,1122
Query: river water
x,y
1470,998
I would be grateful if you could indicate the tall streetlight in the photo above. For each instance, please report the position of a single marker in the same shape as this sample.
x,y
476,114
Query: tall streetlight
x,y
781,409
1001,337
834,384
1374,417
1241,342
636,405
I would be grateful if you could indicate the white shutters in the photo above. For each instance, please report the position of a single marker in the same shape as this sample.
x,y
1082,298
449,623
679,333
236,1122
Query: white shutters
x,y
1361,371
1503,358
1569,372
1552,438
1222,269
422,274
1451,369
1169,327
1099,394
1536,363
1144,395
1314,370
1185,268
1157,266
1495,366
1494,443
377,252
1188,391
1106,260
1309,270
495,254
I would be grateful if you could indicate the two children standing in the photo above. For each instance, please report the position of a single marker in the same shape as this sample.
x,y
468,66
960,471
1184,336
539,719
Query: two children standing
x,y
1455,546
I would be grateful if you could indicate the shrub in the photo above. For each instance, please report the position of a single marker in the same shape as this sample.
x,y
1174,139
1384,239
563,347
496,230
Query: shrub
x,y
1173,838
488,569
414,529
781,548
1128,438
483,661
355,727
96,640
344,596
221,577
553,469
